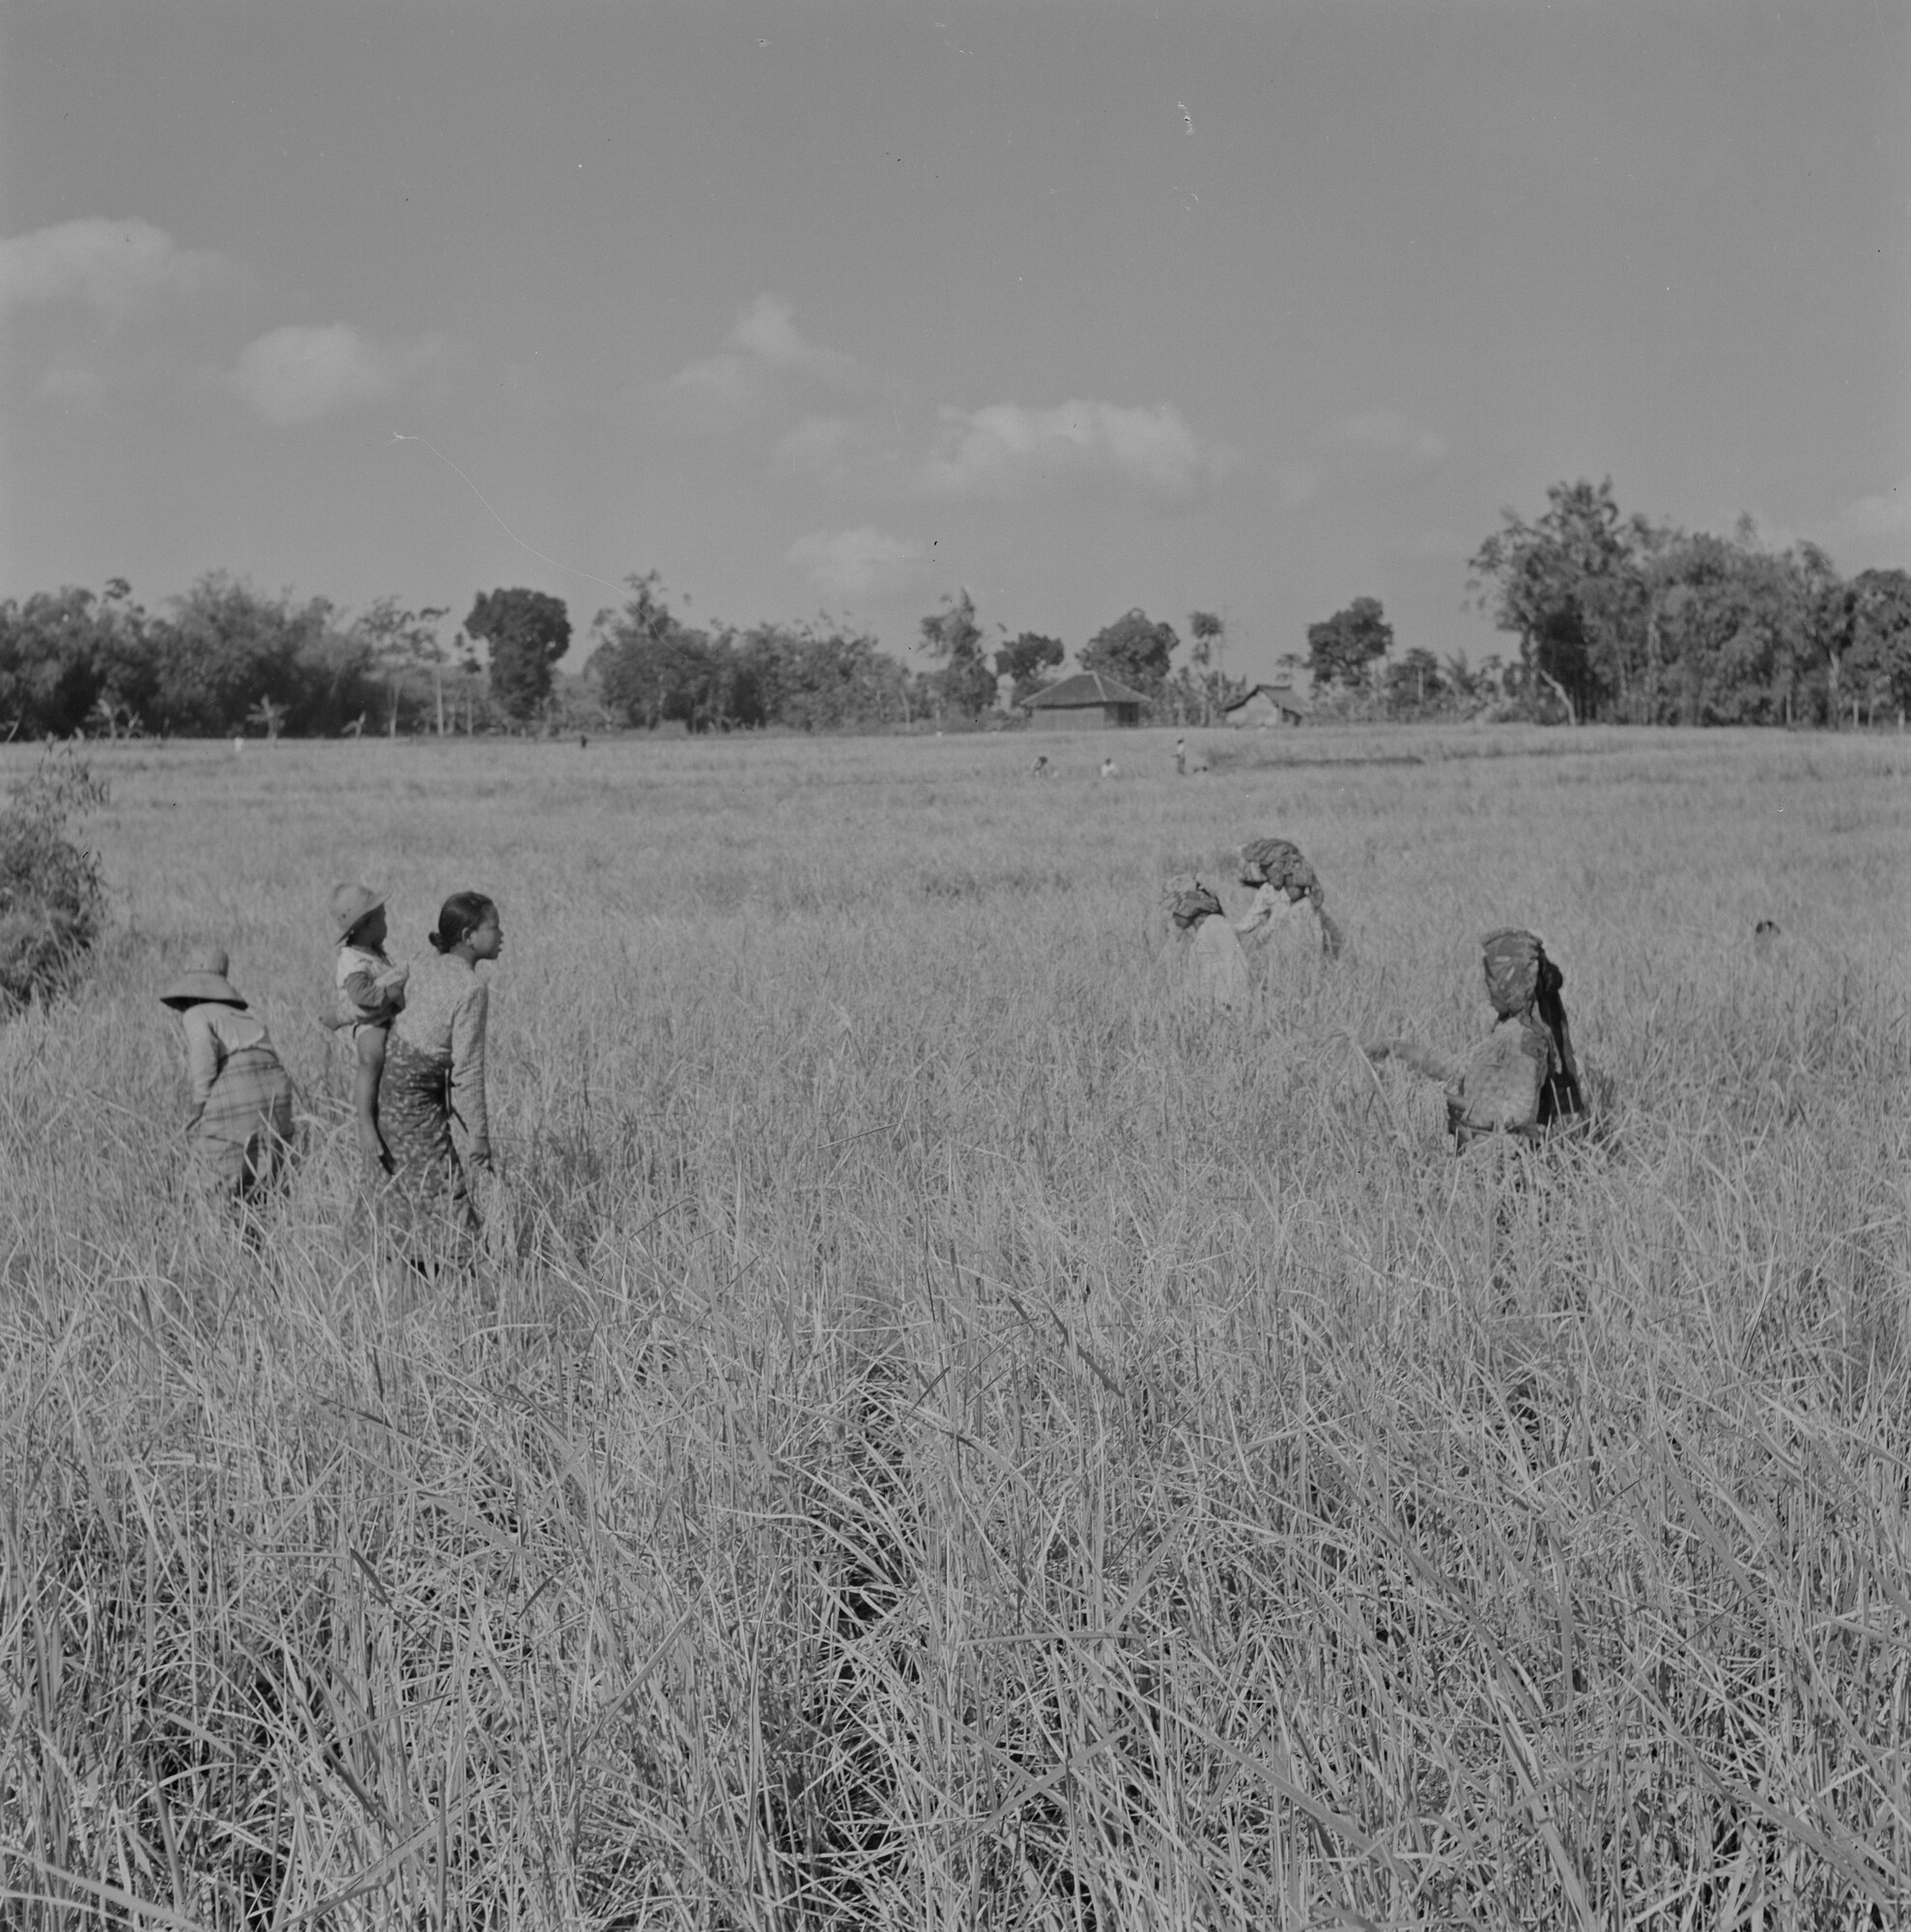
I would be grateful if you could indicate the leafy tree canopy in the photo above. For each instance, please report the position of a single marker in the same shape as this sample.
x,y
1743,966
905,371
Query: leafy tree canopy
x,y
1134,650
1026,661
953,636
527,631
1341,649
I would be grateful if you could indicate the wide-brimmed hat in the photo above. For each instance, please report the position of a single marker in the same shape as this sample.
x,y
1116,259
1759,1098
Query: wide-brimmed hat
x,y
204,979
352,904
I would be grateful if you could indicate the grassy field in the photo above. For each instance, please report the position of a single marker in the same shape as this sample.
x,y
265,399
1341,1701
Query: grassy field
x,y
963,1442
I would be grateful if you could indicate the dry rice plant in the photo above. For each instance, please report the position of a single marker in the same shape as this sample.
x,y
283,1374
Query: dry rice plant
x,y
962,1443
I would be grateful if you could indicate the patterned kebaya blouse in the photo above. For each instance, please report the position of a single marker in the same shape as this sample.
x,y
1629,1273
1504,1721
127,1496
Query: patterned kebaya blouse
x,y
445,1008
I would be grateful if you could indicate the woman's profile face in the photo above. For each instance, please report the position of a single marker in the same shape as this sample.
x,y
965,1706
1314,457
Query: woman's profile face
x,y
487,941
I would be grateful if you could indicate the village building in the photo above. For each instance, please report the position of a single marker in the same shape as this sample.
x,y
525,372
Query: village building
x,y
1087,701
1263,705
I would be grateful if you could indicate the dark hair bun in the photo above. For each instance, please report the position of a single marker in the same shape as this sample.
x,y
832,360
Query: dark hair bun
x,y
458,917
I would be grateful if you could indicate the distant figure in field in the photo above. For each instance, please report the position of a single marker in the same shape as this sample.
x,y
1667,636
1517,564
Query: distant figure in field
x,y
239,1120
427,1072
1765,936
1040,769
1523,1078
1181,757
371,989
1216,972
584,743
1107,768
1283,882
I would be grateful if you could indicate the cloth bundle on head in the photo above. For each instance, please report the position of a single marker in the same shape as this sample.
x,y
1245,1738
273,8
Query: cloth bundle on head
x,y
1189,905
1277,862
1517,970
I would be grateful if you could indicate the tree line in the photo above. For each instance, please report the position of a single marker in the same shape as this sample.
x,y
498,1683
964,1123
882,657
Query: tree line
x,y
1616,617
1637,622
650,667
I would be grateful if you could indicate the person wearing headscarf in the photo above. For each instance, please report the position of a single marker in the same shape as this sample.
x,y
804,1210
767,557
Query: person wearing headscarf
x,y
1523,1078
426,1072
1283,880
1215,973
238,1120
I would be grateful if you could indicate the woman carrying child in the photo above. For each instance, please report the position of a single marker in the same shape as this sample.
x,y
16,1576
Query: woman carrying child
x,y
426,1069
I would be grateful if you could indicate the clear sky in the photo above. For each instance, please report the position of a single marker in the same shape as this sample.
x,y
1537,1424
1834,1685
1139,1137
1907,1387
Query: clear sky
x,y
842,304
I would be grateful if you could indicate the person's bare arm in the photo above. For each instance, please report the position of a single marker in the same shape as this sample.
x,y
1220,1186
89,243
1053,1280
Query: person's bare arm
x,y
1445,1067
364,1096
468,1032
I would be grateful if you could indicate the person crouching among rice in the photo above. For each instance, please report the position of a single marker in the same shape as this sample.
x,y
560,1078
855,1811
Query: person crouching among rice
x,y
1283,882
1523,1078
239,1120
1215,969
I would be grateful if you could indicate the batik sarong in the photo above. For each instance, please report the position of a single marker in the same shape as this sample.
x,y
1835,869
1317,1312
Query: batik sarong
x,y
425,1188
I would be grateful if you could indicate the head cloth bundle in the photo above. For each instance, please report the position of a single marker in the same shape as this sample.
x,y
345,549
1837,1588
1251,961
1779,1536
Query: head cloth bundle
x,y
1277,862
1189,905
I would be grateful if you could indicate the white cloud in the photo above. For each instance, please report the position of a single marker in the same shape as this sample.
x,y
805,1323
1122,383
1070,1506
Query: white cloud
x,y
766,331
763,353
115,269
299,374
861,562
1888,514
1005,452
1381,446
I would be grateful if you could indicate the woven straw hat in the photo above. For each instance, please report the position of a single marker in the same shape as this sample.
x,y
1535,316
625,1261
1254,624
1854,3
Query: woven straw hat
x,y
204,979
350,905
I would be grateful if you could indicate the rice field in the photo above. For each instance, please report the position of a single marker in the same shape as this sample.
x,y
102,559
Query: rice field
x,y
952,1439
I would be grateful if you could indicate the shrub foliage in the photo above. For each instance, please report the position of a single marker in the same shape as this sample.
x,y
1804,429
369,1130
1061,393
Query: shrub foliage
x,y
50,893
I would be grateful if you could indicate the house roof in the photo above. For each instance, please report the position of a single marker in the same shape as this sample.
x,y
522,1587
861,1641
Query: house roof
x,y
1290,697
1084,688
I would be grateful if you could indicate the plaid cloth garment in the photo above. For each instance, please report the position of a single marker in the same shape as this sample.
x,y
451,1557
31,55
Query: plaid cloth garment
x,y
240,1142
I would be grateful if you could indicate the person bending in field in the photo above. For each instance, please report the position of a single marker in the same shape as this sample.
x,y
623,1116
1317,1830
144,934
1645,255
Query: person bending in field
x,y
1523,1078
371,989
239,1123
1284,882
1217,969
